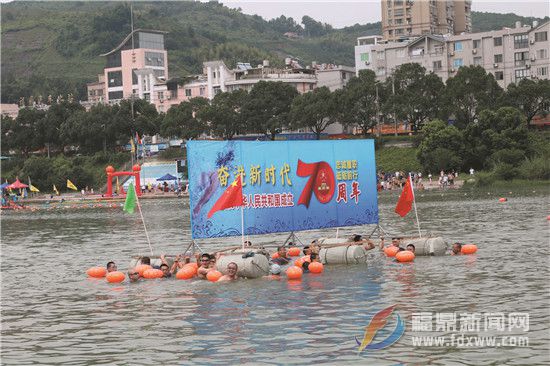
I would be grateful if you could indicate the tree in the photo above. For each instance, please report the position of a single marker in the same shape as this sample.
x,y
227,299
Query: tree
x,y
468,93
145,117
23,132
503,129
283,24
181,121
361,100
224,114
529,96
316,110
49,128
267,107
415,95
313,28
442,147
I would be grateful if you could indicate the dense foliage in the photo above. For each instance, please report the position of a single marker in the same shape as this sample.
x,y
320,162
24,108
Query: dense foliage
x,y
40,37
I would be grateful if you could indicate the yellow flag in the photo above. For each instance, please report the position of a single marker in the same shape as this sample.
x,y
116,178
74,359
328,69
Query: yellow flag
x,y
117,190
55,190
33,188
71,185
133,145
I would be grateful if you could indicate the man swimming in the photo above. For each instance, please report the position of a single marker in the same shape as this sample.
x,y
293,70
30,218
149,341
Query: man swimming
x,y
282,259
456,249
411,248
111,267
231,273
204,266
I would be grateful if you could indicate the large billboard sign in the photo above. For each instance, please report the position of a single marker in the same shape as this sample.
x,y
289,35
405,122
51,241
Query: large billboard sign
x,y
287,185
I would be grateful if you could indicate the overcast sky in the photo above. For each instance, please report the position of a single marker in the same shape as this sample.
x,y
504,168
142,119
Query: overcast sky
x,y
348,12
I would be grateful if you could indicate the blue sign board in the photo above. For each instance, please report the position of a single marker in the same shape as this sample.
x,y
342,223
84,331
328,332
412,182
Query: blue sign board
x,y
287,185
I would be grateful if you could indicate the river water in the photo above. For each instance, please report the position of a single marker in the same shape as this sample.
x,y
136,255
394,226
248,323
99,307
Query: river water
x,y
52,314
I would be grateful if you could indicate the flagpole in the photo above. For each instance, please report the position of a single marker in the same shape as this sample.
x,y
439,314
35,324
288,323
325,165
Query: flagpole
x,y
414,203
143,221
242,224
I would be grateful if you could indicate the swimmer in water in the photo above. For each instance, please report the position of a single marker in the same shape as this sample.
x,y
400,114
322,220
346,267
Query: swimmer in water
x,y
456,249
411,248
133,275
231,273
274,272
282,259
111,267
204,266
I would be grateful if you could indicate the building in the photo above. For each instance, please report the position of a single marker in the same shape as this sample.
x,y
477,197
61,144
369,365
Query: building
x,y
510,54
408,18
133,68
333,76
96,90
9,110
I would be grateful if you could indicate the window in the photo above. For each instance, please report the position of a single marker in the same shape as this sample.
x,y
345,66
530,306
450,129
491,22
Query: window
x,y
381,71
499,75
134,77
498,59
201,91
380,55
154,59
151,40
542,53
541,36
159,73
497,41
114,79
521,74
477,61
344,76
457,62
399,31
399,21
437,65
477,43
147,97
520,58
187,92
542,71
310,86
398,13
161,95
115,95
521,41
458,46
365,57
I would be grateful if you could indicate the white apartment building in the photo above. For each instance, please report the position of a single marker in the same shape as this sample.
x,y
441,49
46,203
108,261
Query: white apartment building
x,y
510,54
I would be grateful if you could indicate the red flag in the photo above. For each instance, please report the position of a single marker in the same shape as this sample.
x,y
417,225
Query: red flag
x,y
404,204
232,197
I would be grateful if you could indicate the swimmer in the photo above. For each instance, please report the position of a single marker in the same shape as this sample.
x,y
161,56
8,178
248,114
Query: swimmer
x,y
145,260
411,248
305,267
282,259
231,273
133,276
274,272
314,257
307,250
456,249
370,245
165,270
111,267
204,266
247,243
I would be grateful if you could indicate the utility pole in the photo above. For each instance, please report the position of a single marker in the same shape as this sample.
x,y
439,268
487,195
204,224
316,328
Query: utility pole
x,y
393,104
377,112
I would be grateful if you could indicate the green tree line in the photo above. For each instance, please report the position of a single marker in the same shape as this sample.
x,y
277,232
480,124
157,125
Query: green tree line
x,y
489,126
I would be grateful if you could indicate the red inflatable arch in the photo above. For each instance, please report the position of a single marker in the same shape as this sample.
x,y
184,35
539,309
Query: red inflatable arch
x,y
112,173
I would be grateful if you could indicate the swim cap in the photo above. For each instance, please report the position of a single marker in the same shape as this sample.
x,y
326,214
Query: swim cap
x,y
275,269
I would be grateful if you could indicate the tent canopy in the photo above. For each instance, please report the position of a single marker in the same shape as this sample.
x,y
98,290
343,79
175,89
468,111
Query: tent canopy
x,y
4,185
167,177
17,185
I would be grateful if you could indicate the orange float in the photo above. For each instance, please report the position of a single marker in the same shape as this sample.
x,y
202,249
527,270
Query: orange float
x,y
275,255
213,276
142,268
294,252
306,258
298,262
152,273
316,267
391,251
468,249
186,273
193,266
115,277
294,273
96,272
502,199
405,256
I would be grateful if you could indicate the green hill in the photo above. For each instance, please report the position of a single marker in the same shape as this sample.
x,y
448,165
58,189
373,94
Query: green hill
x,y
54,47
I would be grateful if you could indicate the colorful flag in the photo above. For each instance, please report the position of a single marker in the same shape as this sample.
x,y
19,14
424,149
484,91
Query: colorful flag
x,y
130,202
117,187
132,145
71,185
404,204
33,188
232,197
138,140
55,190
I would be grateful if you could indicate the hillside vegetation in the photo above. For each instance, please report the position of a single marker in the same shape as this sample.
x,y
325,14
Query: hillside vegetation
x,y
53,47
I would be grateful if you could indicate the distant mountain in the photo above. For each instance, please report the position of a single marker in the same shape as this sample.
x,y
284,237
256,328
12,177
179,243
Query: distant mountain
x,y
54,47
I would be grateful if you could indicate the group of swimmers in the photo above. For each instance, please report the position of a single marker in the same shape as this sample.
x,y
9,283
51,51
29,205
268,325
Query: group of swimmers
x,y
207,262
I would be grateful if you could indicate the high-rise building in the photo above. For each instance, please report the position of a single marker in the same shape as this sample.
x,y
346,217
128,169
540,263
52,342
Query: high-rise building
x,y
410,18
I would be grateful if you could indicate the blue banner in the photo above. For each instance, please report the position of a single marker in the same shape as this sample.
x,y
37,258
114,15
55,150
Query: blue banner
x,y
287,185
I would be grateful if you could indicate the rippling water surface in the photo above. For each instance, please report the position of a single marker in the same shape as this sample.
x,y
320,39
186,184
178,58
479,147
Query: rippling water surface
x,y
53,314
